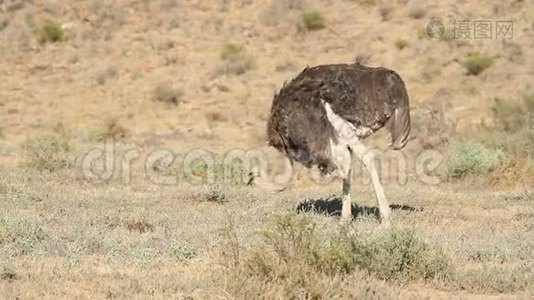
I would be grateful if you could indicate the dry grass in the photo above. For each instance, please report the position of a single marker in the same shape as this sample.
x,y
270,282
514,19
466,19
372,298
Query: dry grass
x,y
241,242
62,236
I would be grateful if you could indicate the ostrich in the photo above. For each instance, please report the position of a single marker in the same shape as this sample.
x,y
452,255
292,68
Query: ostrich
x,y
321,117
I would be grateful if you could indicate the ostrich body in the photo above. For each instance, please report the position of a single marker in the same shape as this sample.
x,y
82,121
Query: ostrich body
x,y
321,117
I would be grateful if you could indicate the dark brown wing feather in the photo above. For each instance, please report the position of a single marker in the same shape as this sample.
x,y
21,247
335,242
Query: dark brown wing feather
x,y
366,97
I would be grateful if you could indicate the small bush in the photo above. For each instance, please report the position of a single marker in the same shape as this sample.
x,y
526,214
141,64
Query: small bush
x,y
51,32
166,93
509,115
497,279
313,20
112,129
104,74
20,235
470,158
403,256
229,173
236,61
182,252
231,51
211,193
513,127
476,63
47,152
291,244
367,2
385,11
417,12
401,44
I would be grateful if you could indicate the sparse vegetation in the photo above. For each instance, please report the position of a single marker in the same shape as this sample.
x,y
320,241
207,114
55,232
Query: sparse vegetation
x,y
166,93
236,60
51,32
229,173
401,44
417,12
20,235
46,152
471,158
313,20
385,11
476,63
293,257
112,129
113,71
231,51
367,2
104,74
211,193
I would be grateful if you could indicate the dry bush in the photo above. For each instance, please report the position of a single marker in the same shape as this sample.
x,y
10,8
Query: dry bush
x,y
235,61
112,129
229,173
279,11
297,261
20,235
47,152
216,116
513,131
385,11
502,278
434,128
366,2
166,93
401,44
417,12
211,193
513,127
4,21
104,74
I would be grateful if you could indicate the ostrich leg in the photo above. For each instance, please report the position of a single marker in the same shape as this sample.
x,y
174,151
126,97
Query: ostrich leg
x,y
346,208
368,159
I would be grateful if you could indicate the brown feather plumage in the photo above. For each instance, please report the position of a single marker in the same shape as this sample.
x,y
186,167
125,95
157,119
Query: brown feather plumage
x,y
368,98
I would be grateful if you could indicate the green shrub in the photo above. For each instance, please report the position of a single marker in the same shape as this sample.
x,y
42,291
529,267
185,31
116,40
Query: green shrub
x,y
47,152
313,20
476,63
231,51
469,158
51,32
